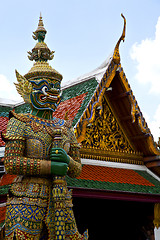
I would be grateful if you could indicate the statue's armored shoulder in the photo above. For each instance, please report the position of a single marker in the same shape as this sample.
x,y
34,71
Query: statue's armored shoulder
x,y
15,127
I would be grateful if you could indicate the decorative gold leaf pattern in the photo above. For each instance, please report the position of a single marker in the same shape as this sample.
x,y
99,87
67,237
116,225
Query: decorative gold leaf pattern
x,y
105,132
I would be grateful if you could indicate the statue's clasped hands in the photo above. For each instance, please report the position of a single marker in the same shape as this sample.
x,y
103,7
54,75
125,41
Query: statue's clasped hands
x,y
59,161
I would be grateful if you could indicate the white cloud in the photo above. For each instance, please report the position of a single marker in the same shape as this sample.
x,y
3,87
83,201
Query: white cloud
x,y
147,56
7,89
154,124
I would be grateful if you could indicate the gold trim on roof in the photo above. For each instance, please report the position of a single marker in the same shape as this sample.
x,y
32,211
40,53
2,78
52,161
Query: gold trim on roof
x,y
116,55
96,101
112,156
88,116
135,110
153,146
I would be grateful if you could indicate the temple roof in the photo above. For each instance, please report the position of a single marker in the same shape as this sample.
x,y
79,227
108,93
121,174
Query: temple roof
x,y
10,103
103,96
6,181
121,178
117,147
96,73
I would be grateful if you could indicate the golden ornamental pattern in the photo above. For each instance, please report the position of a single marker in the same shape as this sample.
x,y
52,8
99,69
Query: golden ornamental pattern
x,y
105,132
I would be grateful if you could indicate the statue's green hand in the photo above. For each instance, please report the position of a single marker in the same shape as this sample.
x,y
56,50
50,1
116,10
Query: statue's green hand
x,y
59,155
59,168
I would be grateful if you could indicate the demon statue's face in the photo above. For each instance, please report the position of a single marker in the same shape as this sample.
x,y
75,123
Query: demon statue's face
x,y
41,36
45,94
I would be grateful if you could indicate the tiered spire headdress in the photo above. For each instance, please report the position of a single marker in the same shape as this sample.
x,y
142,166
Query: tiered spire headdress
x,y
41,68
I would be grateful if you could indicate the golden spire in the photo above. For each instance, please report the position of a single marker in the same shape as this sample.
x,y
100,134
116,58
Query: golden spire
x,y
41,54
40,28
116,55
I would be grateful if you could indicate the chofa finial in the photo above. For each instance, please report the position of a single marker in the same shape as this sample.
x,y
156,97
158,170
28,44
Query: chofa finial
x,y
124,28
116,55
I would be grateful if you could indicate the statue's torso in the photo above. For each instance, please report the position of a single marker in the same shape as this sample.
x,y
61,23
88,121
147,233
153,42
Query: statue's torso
x,y
38,143
39,138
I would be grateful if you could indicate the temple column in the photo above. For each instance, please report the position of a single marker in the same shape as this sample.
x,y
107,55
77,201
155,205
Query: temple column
x,y
157,221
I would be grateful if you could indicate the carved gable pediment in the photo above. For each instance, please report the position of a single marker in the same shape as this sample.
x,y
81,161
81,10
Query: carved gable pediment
x,y
106,133
105,139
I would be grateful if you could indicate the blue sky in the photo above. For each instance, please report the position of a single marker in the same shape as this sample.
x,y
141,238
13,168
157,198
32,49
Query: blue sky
x,y
83,33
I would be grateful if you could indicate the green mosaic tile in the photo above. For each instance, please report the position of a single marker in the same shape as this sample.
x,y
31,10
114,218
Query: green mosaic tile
x,y
4,111
148,177
76,90
123,187
4,189
24,108
1,224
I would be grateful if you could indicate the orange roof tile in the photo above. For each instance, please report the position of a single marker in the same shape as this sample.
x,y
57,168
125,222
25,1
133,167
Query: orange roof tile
x,y
114,175
7,179
71,105
2,213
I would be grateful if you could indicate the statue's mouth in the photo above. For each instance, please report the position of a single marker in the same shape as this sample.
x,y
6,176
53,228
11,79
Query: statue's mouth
x,y
52,98
49,95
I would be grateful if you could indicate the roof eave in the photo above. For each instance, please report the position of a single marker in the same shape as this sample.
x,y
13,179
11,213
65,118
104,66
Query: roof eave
x,y
114,195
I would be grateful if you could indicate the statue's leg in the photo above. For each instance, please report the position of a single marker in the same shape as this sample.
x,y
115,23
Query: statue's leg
x,y
70,222
24,221
20,235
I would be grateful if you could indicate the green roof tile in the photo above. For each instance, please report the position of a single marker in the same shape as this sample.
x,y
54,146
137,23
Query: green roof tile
x,y
123,187
4,189
144,183
87,87
76,90
4,111
1,224
24,108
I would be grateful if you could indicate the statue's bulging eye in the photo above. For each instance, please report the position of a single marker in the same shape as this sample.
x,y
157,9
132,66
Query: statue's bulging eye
x,y
57,85
51,85
44,89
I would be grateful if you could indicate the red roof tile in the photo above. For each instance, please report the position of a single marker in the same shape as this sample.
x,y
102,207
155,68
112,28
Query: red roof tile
x,y
7,179
71,105
114,175
2,214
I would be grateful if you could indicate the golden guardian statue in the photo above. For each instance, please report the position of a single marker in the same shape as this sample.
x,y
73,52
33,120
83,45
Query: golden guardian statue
x,y
40,150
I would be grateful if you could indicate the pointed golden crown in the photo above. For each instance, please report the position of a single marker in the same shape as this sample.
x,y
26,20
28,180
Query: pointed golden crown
x,y
40,27
41,54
